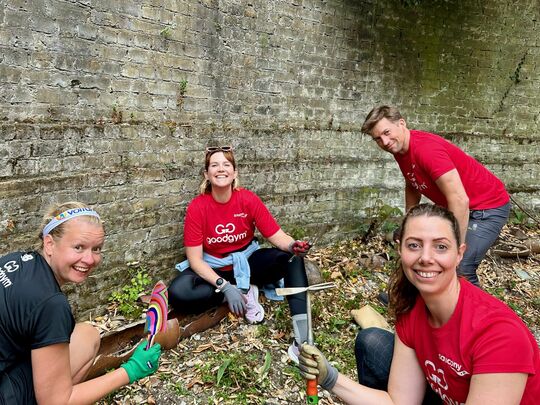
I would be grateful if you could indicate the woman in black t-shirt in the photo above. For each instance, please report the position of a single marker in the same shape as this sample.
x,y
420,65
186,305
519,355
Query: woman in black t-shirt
x,y
44,355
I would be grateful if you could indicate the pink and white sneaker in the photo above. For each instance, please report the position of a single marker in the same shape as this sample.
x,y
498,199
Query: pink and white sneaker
x,y
254,311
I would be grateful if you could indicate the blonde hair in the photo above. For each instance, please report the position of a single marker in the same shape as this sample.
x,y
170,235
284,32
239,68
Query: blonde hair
x,y
56,209
206,186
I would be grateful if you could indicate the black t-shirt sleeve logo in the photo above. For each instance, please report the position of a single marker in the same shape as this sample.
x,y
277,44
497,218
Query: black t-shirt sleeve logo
x,y
11,266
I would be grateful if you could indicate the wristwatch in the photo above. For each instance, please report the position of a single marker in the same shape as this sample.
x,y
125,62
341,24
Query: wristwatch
x,y
220,282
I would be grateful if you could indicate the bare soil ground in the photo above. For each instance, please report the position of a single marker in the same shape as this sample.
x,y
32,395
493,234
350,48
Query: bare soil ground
x,y
237,363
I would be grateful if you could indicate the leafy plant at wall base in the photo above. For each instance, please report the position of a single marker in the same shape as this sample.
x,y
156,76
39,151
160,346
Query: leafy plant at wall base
x,y
126,298
183,86
382,218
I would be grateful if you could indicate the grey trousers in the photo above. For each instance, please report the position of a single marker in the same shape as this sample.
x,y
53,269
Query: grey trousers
x,y
483,230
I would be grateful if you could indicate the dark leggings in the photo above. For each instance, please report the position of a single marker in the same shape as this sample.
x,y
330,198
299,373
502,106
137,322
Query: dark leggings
x,y
374,349
191,294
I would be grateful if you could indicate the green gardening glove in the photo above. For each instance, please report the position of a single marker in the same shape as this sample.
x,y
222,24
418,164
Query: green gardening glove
x,y
142,362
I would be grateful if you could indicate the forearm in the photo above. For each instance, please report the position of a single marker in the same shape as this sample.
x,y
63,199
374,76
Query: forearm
x,y
91,391
412,197
460,209
456,198
198,265
204,271
281,240
353,393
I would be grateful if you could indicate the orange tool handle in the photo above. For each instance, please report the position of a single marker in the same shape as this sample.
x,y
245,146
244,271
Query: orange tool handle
x,y
312,394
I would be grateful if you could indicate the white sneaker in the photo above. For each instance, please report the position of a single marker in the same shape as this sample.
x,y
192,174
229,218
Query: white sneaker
x,y
294,352
254,311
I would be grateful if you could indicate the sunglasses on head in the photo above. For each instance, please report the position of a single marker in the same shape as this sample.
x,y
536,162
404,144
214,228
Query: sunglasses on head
x,y
213,149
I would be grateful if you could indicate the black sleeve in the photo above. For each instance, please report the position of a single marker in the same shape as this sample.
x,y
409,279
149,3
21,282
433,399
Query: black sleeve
x,y
52,322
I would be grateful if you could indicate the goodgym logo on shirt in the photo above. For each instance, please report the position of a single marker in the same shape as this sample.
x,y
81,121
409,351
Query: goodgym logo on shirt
x,y
9,267
224,232
221,229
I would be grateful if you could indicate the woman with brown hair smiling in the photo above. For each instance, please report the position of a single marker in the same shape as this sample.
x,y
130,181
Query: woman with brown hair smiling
x,y
452,338
224,261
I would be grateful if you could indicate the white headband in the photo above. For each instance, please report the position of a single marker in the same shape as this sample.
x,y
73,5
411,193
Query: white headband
x,y
69,214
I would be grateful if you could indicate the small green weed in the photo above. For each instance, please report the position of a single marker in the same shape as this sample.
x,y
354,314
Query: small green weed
x,y
126,298
343,358
351,303
263,331
381,218
237,371
293,372
164,377
263,370
380,309
326,341
182,87
166,32
517,309
336,324
518,217
181,95
180,389
281,316
222,369
499,292
325,273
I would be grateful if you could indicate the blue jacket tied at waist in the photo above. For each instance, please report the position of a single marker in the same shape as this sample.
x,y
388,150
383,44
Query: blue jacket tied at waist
x,y
241,269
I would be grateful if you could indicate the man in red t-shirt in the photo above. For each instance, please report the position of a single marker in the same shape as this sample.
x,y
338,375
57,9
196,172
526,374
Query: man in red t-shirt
x,y
449,177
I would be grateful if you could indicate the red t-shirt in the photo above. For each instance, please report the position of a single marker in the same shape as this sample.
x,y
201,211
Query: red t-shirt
x,y
430,156
222,228
482,336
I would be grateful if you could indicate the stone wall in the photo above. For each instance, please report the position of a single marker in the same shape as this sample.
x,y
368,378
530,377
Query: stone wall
x,y
113,103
